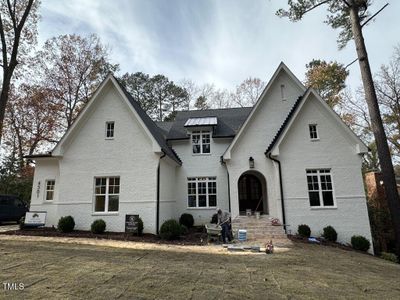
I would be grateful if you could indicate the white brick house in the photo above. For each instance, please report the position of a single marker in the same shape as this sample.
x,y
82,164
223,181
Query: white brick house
x,y
290,156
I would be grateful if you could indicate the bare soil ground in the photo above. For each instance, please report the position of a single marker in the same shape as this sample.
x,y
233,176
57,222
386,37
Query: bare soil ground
x,y
70,269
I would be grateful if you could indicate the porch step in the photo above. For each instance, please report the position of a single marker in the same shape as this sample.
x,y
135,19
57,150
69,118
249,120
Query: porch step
x,y
261,229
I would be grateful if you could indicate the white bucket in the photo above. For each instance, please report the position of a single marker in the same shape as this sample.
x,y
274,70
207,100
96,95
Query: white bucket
x,y
242,235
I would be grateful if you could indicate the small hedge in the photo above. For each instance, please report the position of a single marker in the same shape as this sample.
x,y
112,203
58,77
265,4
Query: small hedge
x,y
214,219
66,224
389,256
21,223
187,220
359,242
170,230
330,234
304,230
140,226
98,226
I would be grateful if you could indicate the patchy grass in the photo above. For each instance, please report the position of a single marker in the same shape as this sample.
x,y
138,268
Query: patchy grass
x,y
58,270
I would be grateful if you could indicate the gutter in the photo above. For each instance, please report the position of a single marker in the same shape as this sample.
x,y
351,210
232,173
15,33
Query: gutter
x,y
229,184
281,189
158,193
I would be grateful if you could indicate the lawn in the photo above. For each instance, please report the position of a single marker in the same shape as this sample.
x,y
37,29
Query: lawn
x,y
58,270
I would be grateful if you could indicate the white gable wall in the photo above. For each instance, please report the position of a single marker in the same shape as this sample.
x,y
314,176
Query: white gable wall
x,y
129,155
255,138
335,150
168,197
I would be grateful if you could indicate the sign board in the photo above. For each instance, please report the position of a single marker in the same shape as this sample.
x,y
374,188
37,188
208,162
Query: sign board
x,y
132,223
35,218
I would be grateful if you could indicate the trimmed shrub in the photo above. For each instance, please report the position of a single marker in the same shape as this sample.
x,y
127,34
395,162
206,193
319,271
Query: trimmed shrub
x,y
66,224
304,230
187,220
140,226
359,242
214,219
21,223
330,234
170,230
184,229
389,256
98,226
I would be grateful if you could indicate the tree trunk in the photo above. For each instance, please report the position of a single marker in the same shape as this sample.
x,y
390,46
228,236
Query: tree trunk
x,y
3,100
389,178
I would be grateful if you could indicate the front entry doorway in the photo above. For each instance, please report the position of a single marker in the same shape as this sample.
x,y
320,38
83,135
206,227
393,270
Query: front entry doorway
x,y
252,192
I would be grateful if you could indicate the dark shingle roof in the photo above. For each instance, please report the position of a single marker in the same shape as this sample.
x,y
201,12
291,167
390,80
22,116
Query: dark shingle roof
x,y
285,123
229,122
151,126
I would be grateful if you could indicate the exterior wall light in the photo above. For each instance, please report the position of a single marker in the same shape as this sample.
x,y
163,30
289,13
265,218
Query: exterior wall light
x,y
251,162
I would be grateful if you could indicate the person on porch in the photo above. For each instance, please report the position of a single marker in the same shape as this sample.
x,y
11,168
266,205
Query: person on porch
x,y
224,220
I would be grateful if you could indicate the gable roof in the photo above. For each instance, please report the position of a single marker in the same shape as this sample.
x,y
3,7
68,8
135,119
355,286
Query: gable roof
x,y
159,142
229,122
151,125
281,67
360,146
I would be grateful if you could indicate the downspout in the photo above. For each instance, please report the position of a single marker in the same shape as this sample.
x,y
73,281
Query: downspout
x,y
281,190
158,194
229,184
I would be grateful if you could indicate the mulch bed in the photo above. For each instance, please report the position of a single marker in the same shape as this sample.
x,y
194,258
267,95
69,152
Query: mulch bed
x,y
194,236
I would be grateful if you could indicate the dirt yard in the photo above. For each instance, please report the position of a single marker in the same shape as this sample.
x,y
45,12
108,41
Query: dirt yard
x,y
68,270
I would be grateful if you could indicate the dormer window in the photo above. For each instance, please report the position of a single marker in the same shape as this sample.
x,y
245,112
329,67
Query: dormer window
x,y
313,132
201,142
110,130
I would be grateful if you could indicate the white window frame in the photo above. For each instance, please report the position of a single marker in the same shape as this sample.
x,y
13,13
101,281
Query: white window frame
x,y
311,131
46,186
196,181
201,134
110,130
321,172
106,195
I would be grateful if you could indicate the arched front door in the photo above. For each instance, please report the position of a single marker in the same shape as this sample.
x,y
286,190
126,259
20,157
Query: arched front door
x,y
251,192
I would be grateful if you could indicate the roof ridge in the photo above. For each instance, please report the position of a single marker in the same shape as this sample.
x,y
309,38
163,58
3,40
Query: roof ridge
x,y
225,108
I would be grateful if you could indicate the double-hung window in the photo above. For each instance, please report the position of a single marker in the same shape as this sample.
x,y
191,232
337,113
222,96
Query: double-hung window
x,y
110,130
313,131
320,188
50,184
201,142
106,194
202,192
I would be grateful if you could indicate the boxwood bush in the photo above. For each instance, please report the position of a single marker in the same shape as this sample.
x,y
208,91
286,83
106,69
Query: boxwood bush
x,y
214,219
359,242
389,256
170,230
304,230
330,234
140,226
66,224
98,226
187,220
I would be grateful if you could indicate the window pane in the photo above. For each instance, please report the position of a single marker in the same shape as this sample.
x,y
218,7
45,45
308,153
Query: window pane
x,y
196,148
212,187
100,203
113,203
328,198
202,200
212,200
49,195
206,148
314,198
192,201
202,189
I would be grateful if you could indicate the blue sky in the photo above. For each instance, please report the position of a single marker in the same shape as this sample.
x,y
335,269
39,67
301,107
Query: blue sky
x,y
221,41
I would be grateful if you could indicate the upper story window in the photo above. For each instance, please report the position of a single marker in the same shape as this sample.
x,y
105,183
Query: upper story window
x,y
110,130
201,142
283,92
320,188
50,184
313,131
